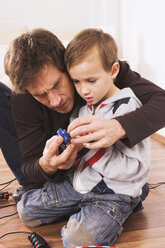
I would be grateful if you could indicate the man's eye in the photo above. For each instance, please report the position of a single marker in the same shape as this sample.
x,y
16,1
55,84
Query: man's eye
x,y
40,96
91,80
56,85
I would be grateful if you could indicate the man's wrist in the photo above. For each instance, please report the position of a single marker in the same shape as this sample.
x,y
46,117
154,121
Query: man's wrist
x,y
45,166
120,130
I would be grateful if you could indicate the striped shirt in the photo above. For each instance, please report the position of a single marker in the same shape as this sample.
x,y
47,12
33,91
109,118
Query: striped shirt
x,y
116,169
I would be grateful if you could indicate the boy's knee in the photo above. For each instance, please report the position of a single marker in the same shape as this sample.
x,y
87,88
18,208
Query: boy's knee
x,y
26,217
78,234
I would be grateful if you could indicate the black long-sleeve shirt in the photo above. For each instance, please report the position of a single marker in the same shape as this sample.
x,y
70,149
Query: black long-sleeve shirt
x,y
35,123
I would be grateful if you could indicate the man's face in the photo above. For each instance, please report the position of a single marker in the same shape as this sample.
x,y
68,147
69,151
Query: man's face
x,y
52,88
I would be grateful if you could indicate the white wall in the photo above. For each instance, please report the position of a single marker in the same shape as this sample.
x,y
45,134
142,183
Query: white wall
x,y
63,15
137,25
52,14
143,38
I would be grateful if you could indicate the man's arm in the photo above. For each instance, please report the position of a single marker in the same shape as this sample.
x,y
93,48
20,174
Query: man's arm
x,y
35,124
150,117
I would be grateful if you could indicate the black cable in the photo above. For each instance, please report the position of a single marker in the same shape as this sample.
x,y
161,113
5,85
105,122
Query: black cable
x,y
9,205
13,233
4,187
36,240
8,183
8,215
155,185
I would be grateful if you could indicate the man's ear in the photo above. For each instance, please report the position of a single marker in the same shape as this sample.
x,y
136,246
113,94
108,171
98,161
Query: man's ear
x,y
115,70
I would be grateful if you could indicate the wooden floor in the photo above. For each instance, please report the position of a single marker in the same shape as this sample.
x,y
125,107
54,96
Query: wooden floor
x,y
145,229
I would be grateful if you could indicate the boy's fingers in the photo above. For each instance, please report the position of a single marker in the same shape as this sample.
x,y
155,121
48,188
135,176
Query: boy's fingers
x,y
84,120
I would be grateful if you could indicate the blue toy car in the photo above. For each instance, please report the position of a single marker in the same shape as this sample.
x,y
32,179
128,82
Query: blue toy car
x,y
66,137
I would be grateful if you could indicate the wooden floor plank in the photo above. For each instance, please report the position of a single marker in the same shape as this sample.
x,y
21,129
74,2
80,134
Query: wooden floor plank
x,y
145,229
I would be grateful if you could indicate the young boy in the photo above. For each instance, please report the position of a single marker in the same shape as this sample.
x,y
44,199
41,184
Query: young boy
x,y
114,176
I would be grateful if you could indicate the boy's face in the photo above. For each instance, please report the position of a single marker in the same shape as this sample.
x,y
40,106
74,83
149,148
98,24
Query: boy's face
x,y
53,88
92,82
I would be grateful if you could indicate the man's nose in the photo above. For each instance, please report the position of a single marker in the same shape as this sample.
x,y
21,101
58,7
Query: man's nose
x,y
54,99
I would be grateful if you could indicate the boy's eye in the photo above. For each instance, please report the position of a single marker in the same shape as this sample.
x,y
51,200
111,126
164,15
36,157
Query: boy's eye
x,y
75,81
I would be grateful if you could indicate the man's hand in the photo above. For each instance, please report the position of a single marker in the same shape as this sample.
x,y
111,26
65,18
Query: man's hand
x,y
101,132
52,160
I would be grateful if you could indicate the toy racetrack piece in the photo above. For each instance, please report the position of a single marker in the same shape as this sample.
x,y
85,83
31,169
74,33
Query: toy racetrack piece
x,y
93,246
5,195
66,137
37,241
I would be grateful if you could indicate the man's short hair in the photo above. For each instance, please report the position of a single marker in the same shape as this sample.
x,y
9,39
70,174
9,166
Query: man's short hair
x,y
28,53
84,41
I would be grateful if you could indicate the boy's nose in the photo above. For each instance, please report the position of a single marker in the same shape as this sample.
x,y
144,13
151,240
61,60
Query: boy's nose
x,y
84,91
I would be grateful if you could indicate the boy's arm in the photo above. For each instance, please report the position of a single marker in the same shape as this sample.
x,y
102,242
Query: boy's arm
x,y
100,131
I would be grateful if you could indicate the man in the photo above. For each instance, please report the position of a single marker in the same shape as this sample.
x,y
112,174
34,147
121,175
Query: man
x,y
35,65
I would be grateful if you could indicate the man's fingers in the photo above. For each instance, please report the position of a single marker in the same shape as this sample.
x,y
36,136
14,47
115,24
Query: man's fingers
x,y
67,155
65,166
52,160
50,141
52,147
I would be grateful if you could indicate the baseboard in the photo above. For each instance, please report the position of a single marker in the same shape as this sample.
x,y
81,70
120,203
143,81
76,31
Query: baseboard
x,y
158,137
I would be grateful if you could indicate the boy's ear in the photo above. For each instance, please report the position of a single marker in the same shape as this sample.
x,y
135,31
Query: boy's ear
x,y
115,70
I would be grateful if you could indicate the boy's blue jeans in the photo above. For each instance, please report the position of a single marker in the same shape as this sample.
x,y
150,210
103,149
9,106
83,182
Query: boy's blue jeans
x,y
8,137
95,219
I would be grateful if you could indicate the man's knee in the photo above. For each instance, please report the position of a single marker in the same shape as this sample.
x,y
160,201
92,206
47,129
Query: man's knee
x,y
78,234
26,217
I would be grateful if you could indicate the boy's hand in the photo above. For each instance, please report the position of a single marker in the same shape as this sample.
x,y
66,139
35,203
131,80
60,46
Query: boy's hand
x,y
52,160
101,132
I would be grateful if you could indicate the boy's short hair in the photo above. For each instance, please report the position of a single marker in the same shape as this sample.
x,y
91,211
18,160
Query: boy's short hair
x,y
28,53
82,43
